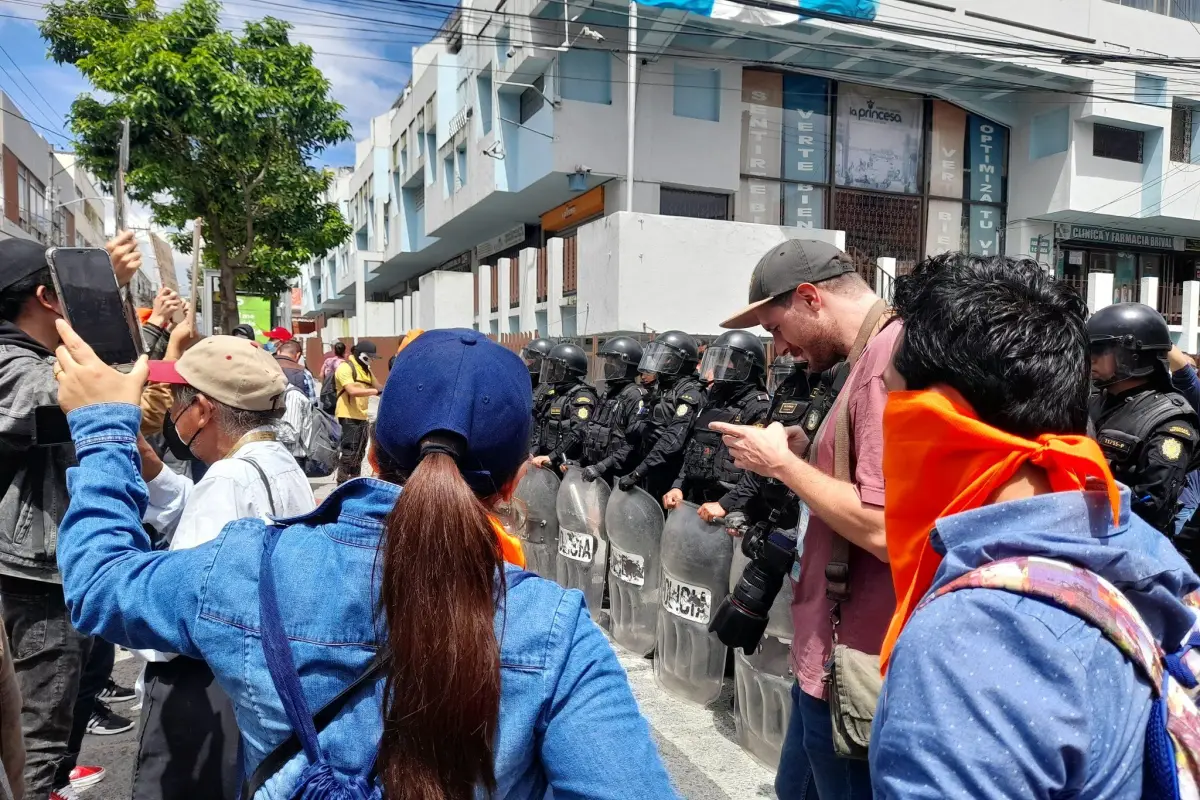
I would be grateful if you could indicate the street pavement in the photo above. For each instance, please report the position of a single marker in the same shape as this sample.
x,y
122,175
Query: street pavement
x,y
698,744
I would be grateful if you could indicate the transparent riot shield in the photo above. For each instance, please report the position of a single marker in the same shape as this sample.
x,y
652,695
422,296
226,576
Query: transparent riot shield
x,y
538,491
690,661
582,560
634,524
762,681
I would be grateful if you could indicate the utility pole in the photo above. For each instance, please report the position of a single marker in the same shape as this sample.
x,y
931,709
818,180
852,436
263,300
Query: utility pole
x,y
51,198
195,280
630,103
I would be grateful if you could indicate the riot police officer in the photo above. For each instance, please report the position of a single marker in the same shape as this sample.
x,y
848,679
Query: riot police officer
x,y
532,354
571,403
1147,431
612,435
734,367
669,364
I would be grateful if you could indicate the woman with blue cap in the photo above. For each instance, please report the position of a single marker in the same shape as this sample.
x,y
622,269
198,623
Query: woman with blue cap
x,y
435,670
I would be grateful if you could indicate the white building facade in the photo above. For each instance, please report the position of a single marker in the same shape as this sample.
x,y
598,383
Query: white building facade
x,y
493,193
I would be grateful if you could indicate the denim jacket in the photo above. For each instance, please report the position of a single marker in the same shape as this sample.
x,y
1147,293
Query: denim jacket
x,y
568,720
992,694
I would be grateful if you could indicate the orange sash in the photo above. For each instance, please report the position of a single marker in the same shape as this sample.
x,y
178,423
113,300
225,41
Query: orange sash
x,y
938,460
510,546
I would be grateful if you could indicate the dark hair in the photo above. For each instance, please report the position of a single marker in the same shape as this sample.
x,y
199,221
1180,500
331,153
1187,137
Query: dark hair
x,y
442,692
290,346
13,299
1008,337
339,349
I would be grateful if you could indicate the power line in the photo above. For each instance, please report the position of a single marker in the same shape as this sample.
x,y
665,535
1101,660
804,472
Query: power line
x,y
42,97
25,118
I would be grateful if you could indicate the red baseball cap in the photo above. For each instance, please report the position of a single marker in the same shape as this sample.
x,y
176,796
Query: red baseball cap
x,y
280,333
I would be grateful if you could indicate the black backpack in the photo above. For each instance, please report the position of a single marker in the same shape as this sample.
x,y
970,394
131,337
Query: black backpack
x,y
329,393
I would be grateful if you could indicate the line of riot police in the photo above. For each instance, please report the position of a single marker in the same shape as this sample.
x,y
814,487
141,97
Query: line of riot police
x,y
674,583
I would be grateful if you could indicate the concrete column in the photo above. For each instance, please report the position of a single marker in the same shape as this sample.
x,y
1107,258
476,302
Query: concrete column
x,y
554,279
885,277
528,266
1099,290
417,320
1148,292
485,297
398,310
1191,317
360,295
503,266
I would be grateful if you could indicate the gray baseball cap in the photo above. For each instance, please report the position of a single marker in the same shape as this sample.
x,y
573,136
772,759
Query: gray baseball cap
x,y
786,266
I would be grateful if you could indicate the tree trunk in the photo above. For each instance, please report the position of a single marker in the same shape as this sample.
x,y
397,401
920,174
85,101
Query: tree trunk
x,y
229,308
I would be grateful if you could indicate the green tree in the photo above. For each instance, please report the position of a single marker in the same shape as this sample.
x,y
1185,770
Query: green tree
x,y
223,127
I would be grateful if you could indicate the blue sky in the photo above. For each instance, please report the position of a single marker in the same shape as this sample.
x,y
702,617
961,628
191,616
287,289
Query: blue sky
x,y
366,61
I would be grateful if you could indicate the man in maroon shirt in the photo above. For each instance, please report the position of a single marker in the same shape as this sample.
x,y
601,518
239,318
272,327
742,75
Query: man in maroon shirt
x,y
809,297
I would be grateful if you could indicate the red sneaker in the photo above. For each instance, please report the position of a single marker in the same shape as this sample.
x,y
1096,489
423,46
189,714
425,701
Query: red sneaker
x,y
83,777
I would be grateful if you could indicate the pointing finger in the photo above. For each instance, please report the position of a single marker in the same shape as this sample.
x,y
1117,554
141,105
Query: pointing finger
x,y
732,432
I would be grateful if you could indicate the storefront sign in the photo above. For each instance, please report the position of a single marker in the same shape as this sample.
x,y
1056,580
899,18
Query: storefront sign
x,y
1086,233
805,129
762,121
460,263
1039,246
985,231
497,244
803,205
587,205
988,143
943,232
946,149
758,201
878,139
1191,244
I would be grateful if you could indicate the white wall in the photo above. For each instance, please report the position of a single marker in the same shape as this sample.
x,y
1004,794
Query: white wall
x,y
641,271
445,300
381,319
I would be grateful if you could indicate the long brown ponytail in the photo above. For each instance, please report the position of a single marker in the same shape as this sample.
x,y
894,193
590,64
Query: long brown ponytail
x,y
440,558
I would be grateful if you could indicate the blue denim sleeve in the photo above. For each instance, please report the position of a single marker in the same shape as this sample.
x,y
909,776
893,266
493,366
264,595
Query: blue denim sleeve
x,y
980,701
116,586
1189,500
1187,384
591,703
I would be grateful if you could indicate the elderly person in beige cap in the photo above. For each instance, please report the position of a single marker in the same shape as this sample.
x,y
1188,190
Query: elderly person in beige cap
x,y
228,398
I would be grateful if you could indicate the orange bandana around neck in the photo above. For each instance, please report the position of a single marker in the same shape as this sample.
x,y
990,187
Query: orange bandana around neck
x,y
938,460
510,544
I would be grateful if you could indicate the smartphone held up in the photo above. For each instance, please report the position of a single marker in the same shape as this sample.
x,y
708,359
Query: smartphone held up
x,y
92,303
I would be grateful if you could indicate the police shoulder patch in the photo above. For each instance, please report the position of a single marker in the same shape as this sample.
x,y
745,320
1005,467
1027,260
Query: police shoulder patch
x,y
583,400
788,408
1182,431
582,413
1172,449
688,397
682,410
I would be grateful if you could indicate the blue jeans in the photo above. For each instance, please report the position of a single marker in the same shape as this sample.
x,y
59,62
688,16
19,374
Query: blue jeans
x,y
808,767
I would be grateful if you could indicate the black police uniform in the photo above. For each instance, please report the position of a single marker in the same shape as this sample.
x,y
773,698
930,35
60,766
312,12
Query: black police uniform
x,y
1149,437
673,411
568,409
612,436
1148,432
708,473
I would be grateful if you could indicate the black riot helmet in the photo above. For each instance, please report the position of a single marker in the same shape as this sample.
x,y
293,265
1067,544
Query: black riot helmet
x,y
671,354
566,363
782,368
533,353
620,358
735,357
1136,335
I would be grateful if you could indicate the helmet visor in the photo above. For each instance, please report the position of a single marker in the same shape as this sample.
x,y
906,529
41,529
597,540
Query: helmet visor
x,y
781,369
533,360
661,360
725,365
1112,362
553,371
612,368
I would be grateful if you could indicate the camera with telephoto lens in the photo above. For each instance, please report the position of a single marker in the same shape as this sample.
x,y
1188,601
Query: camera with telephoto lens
x,y
742,617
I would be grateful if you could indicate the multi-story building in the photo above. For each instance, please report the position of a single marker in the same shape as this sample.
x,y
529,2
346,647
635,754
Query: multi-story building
x,y
44,195
494,192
